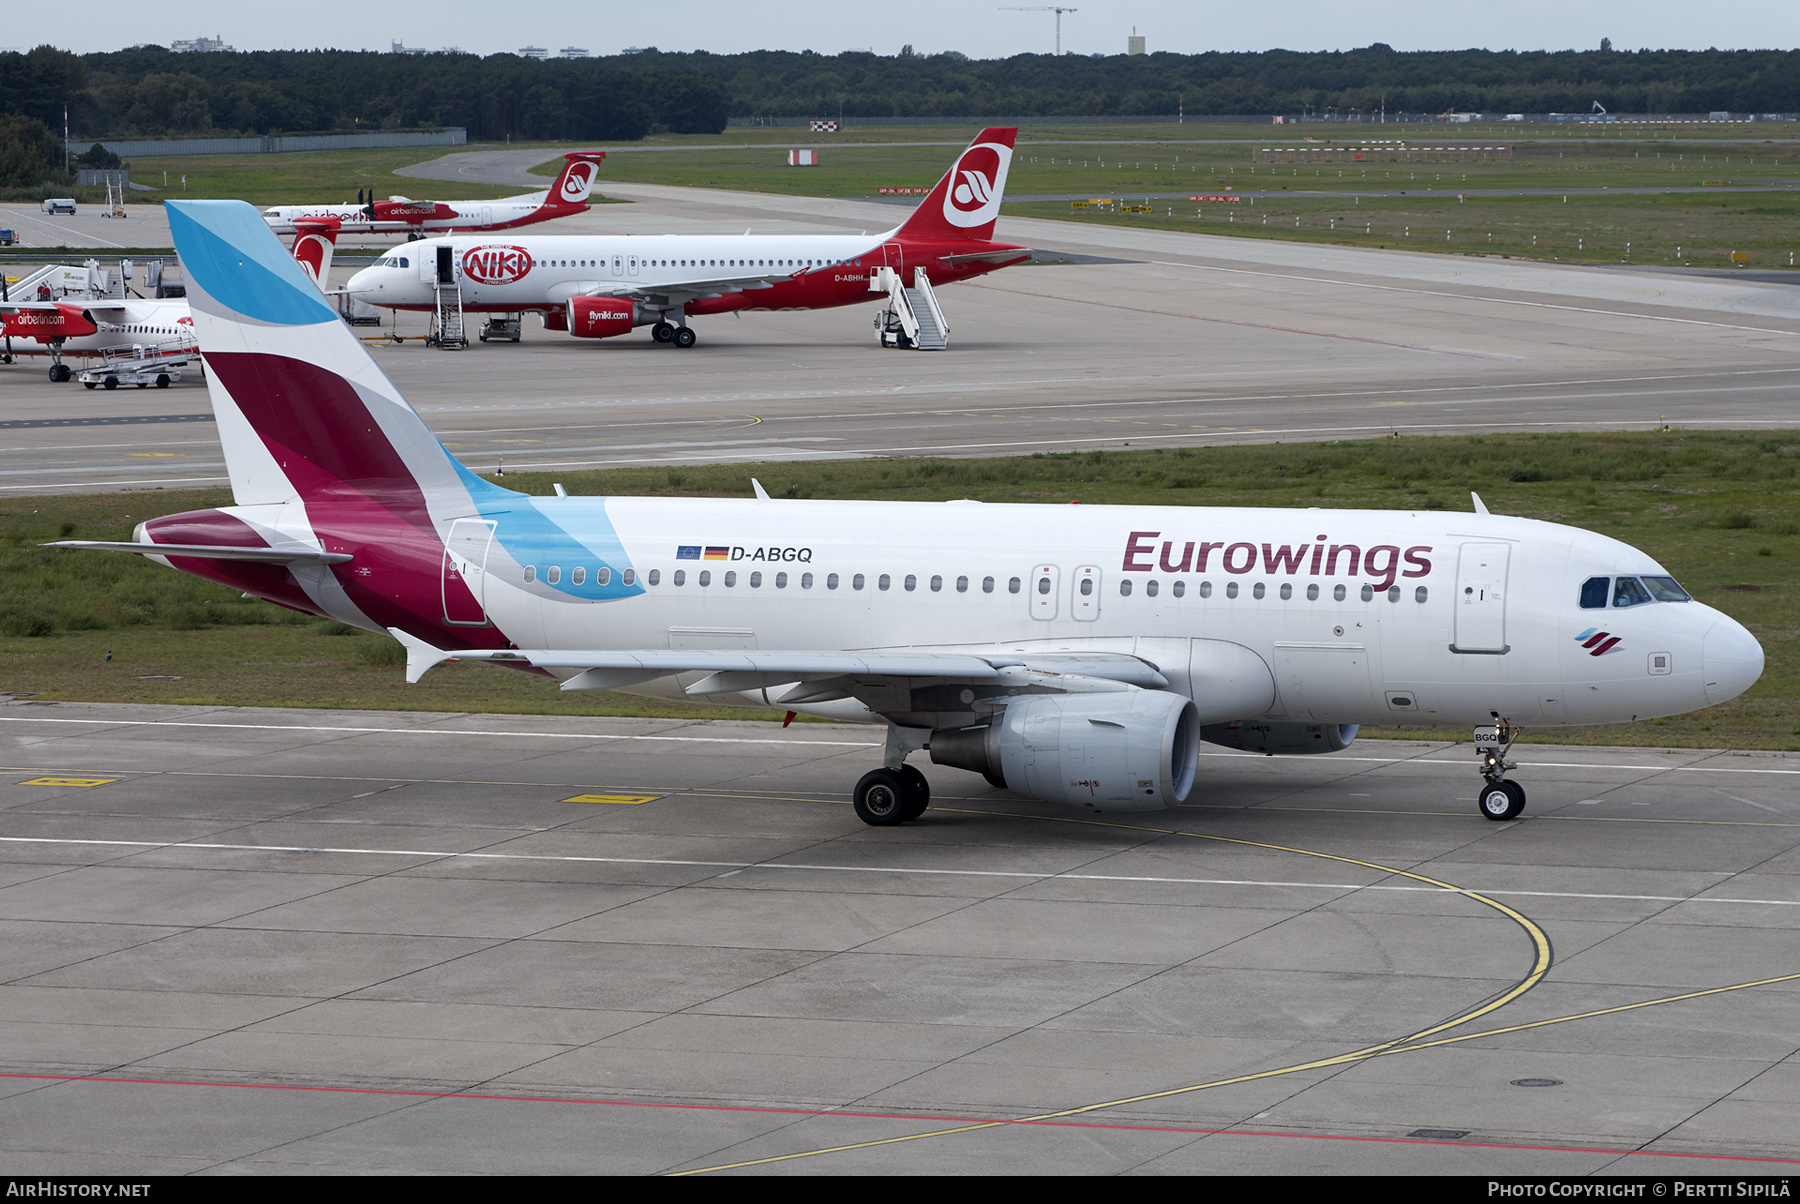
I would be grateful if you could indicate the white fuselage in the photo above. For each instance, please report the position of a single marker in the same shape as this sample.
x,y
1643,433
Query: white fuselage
x,y
541,272
1444,619
425,216
155,325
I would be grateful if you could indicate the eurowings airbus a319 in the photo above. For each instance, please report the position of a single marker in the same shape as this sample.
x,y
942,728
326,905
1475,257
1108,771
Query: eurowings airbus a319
x,y
1073,654
596,286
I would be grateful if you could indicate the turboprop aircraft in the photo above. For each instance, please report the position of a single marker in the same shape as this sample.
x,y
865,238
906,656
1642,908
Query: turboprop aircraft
x,y
596,286
71,313
1073,654
399,214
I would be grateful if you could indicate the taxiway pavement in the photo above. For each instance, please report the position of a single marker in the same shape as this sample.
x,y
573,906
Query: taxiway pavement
x,y
1141,338
243,940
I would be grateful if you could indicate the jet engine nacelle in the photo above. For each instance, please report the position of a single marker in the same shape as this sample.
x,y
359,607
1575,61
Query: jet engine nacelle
x,y
1281,739
1130,751
47,323
600,317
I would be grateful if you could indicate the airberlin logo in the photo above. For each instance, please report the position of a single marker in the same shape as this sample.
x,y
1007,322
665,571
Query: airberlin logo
x,y
977,183
1380,563
496,265
579,181
1598,643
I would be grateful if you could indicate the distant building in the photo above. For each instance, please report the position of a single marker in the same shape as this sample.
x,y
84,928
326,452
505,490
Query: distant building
x,y
1134,45
574,52
534,52
402,48
636,49
201,46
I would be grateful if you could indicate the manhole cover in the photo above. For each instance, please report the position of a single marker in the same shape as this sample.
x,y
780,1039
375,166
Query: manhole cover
x,y
1439,1134
1537,1082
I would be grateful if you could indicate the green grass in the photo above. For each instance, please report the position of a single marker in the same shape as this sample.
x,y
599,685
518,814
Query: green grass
x,y
1720,509
1128,163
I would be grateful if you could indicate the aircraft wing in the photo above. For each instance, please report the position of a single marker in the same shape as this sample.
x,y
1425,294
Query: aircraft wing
x,y
813,676
677,293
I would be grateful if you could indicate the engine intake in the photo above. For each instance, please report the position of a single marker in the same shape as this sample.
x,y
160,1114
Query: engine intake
x,y
1131,751
1281,739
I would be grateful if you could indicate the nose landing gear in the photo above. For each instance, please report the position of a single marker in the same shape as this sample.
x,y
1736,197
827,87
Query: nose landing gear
x,y
1499,798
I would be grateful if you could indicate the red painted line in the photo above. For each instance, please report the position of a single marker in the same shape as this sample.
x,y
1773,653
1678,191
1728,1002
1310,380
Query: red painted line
x,y
830,1113
1596,639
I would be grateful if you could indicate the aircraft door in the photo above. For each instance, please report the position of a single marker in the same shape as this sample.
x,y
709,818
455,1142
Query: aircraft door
x,y
618,265
631,264
895,255
1044,581
446,265
1481,598
465,571
1084,598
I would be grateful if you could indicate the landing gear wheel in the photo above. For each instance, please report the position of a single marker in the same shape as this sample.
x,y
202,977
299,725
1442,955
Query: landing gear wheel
x,y
683,337
921,794
663,332
1502,800
881,798
60,372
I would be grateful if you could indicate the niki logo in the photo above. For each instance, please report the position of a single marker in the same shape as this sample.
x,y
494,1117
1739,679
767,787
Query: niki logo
x,y
579,182
496,265
1597,642
976,185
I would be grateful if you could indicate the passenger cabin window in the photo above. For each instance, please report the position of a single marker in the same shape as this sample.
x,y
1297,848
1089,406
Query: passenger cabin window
x,y
1629,591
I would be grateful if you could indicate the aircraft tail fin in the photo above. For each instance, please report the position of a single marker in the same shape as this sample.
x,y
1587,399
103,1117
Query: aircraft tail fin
x,y
304,412
966,202
577,178
314,241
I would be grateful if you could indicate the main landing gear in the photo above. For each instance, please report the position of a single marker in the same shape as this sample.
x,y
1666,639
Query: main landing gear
x,y
897,792
668,332
1499,799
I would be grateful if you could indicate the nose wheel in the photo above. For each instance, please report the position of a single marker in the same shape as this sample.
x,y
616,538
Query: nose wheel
x,y
1499,799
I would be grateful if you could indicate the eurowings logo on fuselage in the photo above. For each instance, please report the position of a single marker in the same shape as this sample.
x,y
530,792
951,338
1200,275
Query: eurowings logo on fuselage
x,y
977,183
1598,643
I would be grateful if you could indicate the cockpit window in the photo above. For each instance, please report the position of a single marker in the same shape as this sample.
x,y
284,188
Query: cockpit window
x,y
1594,591
1629,591
1664,589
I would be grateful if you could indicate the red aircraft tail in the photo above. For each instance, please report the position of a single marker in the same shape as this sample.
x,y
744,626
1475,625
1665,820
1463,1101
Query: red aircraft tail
x,y
577,179
966,202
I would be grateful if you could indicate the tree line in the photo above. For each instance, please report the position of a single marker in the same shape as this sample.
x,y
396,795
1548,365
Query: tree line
x,y
149,91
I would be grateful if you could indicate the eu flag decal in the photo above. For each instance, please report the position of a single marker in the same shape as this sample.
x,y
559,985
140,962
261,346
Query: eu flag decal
x,y
686,552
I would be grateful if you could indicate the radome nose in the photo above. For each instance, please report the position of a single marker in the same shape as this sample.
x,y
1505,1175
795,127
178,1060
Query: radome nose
x,y
1730,660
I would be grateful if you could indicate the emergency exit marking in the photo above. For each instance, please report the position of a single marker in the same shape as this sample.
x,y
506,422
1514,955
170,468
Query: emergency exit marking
x,y
68,781
630,800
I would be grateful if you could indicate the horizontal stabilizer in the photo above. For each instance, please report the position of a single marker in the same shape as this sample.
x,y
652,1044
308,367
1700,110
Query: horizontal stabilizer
x,y
203,551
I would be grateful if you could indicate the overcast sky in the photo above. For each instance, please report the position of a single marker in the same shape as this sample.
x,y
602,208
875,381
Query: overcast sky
x,y
980,30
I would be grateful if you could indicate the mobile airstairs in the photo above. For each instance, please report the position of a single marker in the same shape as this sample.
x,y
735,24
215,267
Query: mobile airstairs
x,y
913,318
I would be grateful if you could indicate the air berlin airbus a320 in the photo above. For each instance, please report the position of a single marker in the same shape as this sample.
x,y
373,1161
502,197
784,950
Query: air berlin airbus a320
x,y
597,286
1073,654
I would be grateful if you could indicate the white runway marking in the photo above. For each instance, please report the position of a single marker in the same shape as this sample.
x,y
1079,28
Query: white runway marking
x,y
739,866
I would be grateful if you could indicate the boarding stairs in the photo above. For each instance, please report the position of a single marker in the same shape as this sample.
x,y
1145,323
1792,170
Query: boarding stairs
x,y
913,318
449,333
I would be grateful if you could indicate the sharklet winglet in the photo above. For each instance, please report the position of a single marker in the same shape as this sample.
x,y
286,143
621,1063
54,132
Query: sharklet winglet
x,y
420,656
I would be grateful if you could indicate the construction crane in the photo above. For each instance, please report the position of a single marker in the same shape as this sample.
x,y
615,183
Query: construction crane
x,y
1043,8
